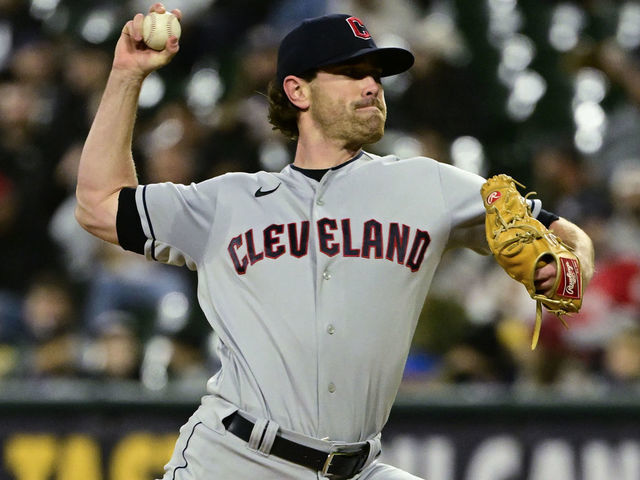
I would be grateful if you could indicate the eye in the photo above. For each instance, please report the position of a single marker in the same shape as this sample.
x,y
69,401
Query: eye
x,y
352,72
359,73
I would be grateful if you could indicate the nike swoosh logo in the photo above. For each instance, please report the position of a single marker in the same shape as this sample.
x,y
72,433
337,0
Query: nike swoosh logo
x,y
262,193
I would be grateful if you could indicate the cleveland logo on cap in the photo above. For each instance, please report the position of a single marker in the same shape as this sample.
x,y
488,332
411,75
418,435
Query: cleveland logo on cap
x,y
358,28
324,41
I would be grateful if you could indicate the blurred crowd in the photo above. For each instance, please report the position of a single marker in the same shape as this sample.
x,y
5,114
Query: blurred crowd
x,y
548,92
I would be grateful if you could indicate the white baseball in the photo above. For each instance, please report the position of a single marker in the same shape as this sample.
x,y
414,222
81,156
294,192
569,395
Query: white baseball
x,y
158,27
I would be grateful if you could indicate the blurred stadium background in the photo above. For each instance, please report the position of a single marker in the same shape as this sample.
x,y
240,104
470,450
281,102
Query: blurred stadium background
x,y
104,355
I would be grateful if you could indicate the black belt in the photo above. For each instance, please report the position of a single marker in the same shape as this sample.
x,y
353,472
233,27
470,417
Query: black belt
x,y
335,465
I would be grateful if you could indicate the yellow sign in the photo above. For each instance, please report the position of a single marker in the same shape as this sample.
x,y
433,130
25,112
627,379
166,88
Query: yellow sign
x,y
137,456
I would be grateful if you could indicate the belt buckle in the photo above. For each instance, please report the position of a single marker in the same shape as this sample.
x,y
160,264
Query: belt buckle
x,y
328,461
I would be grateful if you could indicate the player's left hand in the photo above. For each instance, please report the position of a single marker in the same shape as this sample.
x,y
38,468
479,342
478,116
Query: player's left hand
x,y
544,278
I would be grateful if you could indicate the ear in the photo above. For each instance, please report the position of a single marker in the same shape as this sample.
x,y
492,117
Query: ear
x,y
297,90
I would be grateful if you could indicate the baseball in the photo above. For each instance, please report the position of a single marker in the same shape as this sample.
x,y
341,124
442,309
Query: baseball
x,y
158,27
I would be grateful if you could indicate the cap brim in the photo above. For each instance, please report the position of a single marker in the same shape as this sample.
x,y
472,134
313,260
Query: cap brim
x,y
392,60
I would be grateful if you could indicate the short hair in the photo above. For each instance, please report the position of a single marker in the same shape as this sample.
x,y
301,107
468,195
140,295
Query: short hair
x,y
283,115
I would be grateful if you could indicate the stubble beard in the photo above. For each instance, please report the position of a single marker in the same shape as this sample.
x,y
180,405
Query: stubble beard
x,y
347,123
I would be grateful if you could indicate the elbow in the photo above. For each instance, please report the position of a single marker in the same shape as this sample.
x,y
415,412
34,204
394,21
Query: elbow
x,y
84,217
98,218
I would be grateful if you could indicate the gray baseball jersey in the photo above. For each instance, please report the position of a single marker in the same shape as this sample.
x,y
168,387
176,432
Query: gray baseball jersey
x,y
314,287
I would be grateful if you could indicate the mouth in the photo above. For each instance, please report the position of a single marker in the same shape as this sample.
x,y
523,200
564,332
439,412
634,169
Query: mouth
x,y
368,104
369,107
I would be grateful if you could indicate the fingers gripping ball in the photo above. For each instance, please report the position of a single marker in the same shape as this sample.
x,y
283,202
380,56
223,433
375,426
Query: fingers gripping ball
x,y
520,244
158,27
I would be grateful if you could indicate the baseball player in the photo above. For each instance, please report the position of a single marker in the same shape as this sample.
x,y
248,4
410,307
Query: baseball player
x,y
312,277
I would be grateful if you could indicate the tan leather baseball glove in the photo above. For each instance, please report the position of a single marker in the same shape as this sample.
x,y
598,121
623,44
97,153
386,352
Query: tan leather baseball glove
x,y
521,244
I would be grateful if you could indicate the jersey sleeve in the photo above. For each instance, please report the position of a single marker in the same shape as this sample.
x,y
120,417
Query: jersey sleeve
x,y
461,191
176,220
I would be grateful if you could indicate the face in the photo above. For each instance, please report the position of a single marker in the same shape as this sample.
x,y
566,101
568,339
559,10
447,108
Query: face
x,y
347,103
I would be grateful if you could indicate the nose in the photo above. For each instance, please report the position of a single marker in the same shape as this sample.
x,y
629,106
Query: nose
x,y
372,86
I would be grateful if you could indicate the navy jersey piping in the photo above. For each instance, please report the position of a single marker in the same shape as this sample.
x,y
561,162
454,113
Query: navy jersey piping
x,y
146,212
186,463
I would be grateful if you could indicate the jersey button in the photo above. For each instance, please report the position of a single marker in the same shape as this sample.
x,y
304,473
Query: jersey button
x,y
326,275
319,202
332,387
331,329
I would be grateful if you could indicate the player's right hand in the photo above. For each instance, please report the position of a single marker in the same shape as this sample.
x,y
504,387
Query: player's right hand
x,y
131,53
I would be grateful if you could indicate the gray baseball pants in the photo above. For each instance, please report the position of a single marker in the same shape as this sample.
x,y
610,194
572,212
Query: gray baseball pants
x,y
204,453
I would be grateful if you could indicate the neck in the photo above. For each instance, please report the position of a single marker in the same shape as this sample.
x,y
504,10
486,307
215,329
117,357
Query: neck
x,y
322,154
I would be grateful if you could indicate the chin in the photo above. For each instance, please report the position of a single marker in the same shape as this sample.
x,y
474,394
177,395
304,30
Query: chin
x,y
373,137
365,132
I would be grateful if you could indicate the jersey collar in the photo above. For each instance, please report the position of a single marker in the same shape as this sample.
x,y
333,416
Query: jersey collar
x,y
318,173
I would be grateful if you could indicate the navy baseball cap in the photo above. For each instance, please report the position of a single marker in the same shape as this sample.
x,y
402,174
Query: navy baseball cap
x,y
333,39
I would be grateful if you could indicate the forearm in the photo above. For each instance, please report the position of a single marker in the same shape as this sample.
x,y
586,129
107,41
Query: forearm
x,y
582,245
106,164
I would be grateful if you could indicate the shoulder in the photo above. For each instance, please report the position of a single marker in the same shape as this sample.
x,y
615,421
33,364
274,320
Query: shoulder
x,y
427,174
225,187
235,178
421,165
394,162
234,181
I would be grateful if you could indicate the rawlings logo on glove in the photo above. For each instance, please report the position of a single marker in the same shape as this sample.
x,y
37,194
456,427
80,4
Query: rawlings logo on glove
x,y
521,244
